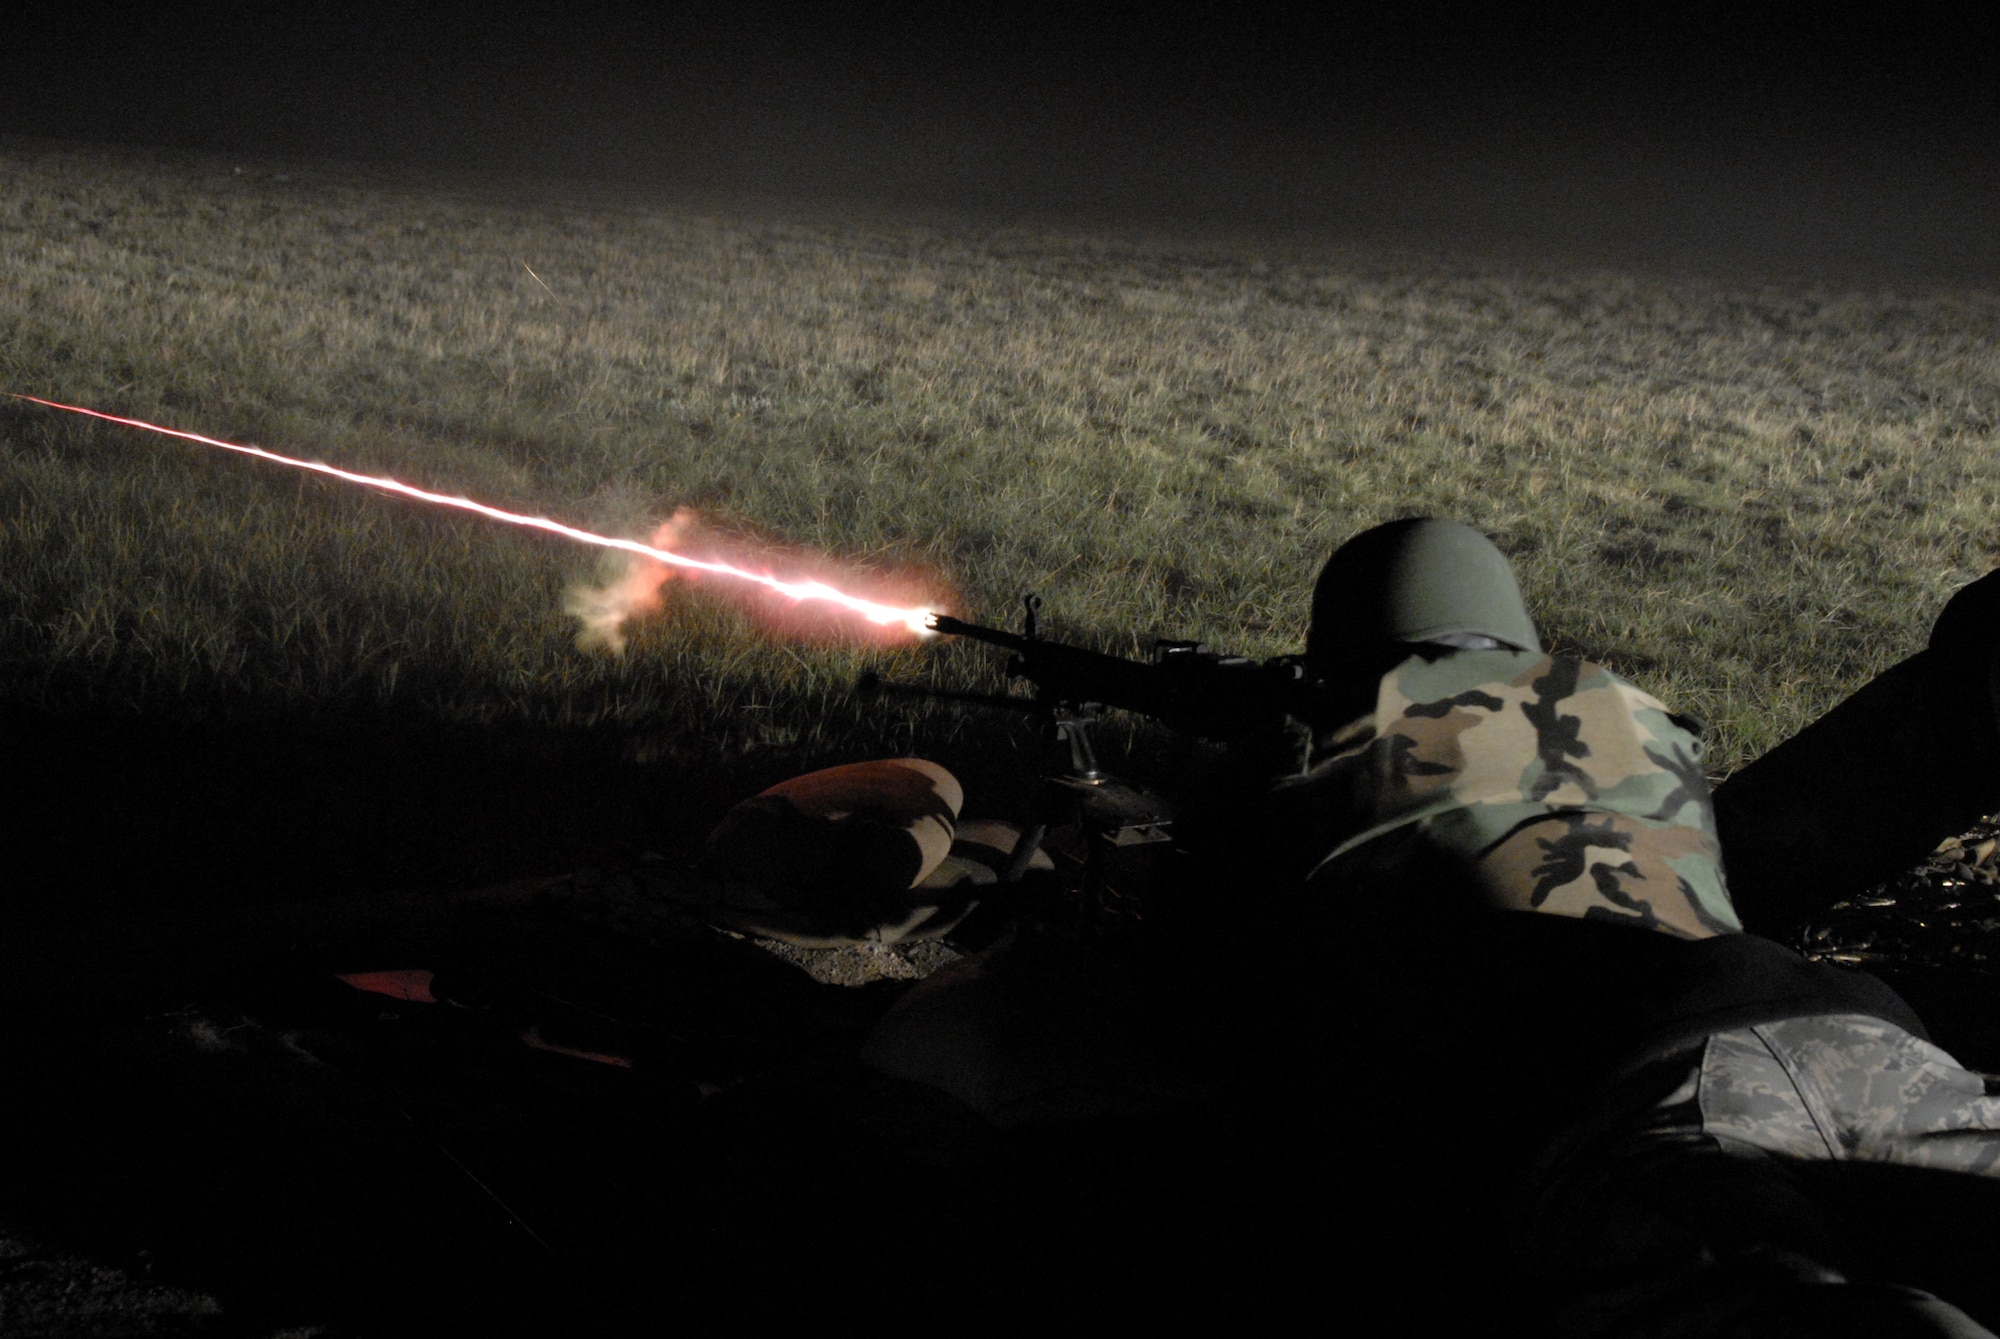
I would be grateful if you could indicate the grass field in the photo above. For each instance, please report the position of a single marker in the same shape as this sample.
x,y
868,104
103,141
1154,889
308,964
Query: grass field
x,y
239,701
1748,498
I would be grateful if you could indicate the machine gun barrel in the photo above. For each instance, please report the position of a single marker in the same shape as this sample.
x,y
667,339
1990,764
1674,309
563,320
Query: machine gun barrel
x,y
1184,686
1070,674
946,625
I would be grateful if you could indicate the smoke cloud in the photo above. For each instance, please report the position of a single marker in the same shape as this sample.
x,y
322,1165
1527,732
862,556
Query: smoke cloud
x,y
605,609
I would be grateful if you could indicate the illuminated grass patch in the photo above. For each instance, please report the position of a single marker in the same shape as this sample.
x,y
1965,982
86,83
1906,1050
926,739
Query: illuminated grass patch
x,y
1749,499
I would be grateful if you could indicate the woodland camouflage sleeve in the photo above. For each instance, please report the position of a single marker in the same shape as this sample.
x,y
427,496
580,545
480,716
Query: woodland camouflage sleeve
x,y
1545,782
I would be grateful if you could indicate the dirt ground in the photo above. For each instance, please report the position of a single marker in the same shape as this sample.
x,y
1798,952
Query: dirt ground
x,y
607,1117
576,1109
223,1136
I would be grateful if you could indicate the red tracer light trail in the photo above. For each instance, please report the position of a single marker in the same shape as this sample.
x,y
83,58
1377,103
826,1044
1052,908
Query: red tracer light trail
x,y
881,614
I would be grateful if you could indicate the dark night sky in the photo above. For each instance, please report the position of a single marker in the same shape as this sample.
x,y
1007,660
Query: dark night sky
x,y
1762,132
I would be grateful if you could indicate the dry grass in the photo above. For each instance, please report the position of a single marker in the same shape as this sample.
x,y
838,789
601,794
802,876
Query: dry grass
x,y
1749,499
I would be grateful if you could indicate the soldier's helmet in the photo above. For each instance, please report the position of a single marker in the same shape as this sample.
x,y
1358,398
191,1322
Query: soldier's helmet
x,y
1410,583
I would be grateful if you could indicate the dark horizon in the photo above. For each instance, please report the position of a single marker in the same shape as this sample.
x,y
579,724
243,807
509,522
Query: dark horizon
x,y
1693,135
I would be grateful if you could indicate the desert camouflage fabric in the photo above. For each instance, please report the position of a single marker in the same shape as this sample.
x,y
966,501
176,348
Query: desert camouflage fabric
x,y
1546,783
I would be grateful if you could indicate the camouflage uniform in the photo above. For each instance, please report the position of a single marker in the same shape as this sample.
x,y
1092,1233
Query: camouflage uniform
x,y
1788,1162
1517,782
1551,784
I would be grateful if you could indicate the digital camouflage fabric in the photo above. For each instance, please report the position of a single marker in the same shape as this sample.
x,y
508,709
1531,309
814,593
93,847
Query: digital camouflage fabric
x,y
1539,783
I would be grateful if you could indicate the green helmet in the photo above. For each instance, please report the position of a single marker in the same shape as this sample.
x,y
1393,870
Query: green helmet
x,y
1410,582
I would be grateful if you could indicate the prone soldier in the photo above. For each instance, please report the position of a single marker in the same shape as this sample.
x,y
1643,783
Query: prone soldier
x,y
1671,1119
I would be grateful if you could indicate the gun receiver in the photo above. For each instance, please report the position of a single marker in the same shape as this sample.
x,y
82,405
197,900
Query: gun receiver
x,y
1185,686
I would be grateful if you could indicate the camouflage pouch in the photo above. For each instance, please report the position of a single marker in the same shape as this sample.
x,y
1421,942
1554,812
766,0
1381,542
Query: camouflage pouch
x,y
1546,783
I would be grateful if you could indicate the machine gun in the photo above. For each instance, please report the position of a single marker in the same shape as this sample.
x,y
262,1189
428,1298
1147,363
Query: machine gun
x,y
1185,686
